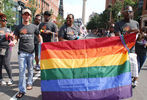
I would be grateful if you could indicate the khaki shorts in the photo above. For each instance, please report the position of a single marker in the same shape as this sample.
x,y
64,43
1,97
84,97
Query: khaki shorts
x,y
134,64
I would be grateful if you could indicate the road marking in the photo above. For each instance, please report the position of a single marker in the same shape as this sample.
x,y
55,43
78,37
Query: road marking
x,y
34,79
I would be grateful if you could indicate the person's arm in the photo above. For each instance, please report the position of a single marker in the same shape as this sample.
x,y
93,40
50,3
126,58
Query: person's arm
x,y
62,39
40,38
61,34
14,41
15,37
117,30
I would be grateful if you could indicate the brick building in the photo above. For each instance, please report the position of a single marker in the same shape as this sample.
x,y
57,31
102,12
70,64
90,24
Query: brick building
x,y
110,2
42,5
144,13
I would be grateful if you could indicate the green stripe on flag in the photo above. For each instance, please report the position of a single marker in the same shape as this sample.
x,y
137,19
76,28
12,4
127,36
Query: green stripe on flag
x,y
87,72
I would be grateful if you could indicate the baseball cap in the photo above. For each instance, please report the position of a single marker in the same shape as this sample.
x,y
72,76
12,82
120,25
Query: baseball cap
x,y
26,10
47,13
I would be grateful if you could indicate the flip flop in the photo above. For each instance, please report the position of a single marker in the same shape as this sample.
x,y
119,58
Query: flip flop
x,y
29,87
20,95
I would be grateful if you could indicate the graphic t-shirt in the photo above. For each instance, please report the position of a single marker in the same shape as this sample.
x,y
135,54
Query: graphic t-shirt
x,y
3,42
47,26
26,35
69,33
124,26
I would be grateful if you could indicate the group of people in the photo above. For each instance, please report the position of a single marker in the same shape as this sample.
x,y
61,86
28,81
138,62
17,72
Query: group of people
x,y
31,35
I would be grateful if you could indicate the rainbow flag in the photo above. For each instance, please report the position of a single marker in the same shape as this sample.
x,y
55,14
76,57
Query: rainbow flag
x,y
90,69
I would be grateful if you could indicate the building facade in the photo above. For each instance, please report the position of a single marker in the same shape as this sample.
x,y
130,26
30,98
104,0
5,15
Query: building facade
x,y
110,2
40,5
143,4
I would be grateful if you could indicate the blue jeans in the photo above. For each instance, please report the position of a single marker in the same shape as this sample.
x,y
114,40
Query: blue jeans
x,y
25,61
141,59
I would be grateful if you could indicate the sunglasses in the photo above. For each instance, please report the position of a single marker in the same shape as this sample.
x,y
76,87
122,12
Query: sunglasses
x,y
37,19
128,11
3,20
68,18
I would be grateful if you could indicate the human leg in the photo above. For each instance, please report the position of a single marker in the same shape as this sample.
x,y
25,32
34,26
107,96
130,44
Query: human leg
x,y
30,58
142,61
37,67
22,69
2,82
7,63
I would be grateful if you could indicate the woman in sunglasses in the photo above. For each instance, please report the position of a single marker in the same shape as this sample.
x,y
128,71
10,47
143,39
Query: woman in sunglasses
x,y
5,52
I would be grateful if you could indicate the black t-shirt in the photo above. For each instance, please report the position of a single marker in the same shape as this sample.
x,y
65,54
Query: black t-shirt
x,y
36,40
26,35
47,26
123,26
3,42
68,33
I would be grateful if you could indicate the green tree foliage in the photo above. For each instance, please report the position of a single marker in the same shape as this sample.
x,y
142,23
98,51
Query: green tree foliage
x,y
7,9
59,21
93,23
115,10
32,7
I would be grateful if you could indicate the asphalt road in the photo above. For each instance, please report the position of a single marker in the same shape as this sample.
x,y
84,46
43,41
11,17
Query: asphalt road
x,y
8,92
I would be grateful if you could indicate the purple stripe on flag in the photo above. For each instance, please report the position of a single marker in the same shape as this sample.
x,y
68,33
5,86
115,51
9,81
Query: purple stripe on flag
x,y
109,94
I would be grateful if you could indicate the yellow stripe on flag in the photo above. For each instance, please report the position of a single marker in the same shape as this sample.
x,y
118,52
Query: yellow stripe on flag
x,y
109,60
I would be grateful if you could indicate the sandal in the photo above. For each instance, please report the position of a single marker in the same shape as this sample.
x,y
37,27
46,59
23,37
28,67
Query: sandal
x,y
29,87
20,95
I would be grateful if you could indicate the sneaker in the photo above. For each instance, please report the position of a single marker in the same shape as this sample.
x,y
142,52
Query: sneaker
x,y
10,82
37,68
2,82
134,84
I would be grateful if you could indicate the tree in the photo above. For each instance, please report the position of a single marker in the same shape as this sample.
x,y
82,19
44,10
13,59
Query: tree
x,y
93,23
6,8
116,9
59,21
32,6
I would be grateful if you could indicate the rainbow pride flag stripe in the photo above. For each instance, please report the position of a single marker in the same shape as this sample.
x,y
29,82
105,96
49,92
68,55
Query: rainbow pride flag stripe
x,y
91,69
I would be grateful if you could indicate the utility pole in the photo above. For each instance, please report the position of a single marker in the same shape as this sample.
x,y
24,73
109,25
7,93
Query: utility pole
x,y
83,13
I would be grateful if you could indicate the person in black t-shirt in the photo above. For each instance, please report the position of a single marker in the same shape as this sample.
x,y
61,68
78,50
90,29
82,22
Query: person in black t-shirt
x,y
25,33
128,26
47,28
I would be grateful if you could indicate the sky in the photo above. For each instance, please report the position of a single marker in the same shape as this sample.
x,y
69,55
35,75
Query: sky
x,y
75,7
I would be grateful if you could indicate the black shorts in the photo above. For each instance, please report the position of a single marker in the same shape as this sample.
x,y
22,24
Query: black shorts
x,y
36,49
